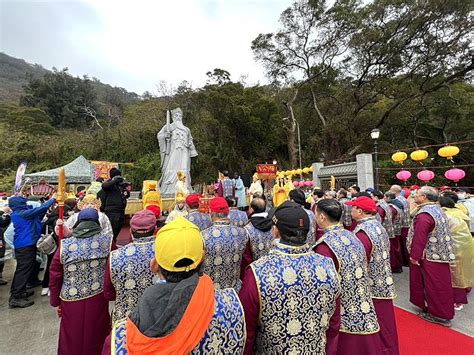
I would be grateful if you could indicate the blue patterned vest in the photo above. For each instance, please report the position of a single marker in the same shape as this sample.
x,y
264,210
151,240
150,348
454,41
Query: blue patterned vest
x,y
311,236
397,222
84,261
440,245
357,310
260,241
346,217
405,217
131,274
298,290
227,187
201,220
380,273
224,245
387,222
238,218
225,335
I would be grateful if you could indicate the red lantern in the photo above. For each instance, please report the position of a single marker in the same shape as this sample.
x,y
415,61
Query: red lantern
x,y
295,183
301,184
455,174
309,183
425,175
403,175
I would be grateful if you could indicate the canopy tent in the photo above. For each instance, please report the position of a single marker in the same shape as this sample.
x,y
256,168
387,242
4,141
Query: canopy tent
x,y
79,171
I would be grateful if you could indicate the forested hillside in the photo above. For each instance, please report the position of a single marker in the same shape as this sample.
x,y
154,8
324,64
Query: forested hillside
x,y
336,72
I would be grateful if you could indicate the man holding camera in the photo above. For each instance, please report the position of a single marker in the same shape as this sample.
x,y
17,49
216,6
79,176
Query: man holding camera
x,y
114,200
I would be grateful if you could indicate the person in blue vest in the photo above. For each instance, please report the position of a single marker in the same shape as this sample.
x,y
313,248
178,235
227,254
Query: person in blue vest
x,y
128,272
202,220
76,286
184,313
27,223
225,244
291,295
237,217
359,332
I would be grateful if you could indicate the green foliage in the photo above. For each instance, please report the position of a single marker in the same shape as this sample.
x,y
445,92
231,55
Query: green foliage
x,y
64,97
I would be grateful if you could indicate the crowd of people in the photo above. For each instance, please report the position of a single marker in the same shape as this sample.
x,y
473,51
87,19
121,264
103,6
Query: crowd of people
x,y
301,272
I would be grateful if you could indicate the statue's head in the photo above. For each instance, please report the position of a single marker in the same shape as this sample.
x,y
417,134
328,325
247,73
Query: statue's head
x,y
177,114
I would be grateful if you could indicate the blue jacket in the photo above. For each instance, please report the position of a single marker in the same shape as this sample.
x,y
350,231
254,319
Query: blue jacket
x,y
27,221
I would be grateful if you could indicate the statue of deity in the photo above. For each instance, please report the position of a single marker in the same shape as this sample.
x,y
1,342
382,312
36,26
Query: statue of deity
x,y
176,149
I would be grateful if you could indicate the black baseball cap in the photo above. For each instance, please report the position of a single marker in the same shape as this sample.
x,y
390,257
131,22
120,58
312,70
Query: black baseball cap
x,y
290,219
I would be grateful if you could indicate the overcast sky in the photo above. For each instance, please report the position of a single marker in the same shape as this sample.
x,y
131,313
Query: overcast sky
x,y
135,44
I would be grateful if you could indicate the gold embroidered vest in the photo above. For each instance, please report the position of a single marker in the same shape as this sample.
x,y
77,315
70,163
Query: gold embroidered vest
x,y
387,222
298,290
397,222
224,246
440,245
380,273
131,274
406,212
225,334
311,236
84,261
260,242
357,310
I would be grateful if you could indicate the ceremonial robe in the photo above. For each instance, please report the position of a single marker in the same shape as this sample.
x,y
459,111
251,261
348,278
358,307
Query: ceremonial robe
x,y
359,326
405,226
224,245
396,258
201,220
237,217
291,303
225,333
462,268
430,244
377,246
240,194
76,285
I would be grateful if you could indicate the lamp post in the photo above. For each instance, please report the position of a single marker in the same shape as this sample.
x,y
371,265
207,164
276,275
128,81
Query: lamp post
x,y
375,134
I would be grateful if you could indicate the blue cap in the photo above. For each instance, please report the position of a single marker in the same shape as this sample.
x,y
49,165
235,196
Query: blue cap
x,y
88,214
370,190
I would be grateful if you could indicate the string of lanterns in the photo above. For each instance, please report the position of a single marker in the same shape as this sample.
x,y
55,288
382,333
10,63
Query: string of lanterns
x,y
425,175
291,173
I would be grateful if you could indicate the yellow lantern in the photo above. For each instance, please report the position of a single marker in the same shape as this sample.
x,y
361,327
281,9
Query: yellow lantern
x,y
419,155
287,172
399,157
311,169
293,172
299,171
448,152
305,170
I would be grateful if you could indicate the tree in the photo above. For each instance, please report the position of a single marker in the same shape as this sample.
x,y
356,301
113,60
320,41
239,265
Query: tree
x,y
63,97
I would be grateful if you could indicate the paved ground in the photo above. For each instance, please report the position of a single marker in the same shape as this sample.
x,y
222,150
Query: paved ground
x,y
34,330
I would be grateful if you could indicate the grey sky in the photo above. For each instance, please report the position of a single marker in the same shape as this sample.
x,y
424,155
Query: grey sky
x,y
136,44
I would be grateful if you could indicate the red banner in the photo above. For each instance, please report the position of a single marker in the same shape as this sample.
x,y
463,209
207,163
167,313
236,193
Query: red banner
x,y
266,171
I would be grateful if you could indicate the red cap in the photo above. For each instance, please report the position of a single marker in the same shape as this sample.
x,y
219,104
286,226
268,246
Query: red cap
x,y
219,205
414,187
143,221
444,188
193,200
155,210
365,203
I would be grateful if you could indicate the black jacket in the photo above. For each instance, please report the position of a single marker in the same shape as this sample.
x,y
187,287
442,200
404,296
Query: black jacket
x,y
113,198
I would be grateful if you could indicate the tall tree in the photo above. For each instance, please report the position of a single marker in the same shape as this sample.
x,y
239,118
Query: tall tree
x,y
65,98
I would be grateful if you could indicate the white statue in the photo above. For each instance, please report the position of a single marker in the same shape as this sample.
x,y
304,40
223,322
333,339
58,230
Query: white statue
x,y
177,149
